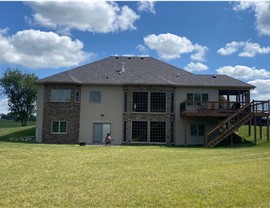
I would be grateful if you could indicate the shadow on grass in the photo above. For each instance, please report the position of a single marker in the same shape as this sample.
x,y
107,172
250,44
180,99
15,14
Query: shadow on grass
x,y
23,133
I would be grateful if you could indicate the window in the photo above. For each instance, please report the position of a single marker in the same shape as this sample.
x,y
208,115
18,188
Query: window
x,y
197,129
172,132
95,96
195,98
158,102
77,96
172,103
59,127
125,132
140,102
60,95
125,101
139,131
158,132
189,99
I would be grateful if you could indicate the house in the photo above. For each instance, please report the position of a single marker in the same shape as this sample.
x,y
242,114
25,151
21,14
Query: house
x,y
138,100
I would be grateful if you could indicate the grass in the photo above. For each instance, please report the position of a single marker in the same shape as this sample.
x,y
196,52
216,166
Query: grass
x,y
10,129
40,175
9,124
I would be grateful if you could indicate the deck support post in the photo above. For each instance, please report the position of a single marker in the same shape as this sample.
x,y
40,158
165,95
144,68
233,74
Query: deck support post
x,y
255,129
249,128
261,134
267,128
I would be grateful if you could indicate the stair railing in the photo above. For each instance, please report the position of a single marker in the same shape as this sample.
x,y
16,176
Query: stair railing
x,y
228,124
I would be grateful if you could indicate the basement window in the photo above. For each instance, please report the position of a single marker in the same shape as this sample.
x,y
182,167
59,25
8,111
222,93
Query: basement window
x,y
197,129
158,132
59,127
139,131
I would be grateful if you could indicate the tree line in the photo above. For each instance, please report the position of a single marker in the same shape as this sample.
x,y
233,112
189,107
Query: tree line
x,y
20,89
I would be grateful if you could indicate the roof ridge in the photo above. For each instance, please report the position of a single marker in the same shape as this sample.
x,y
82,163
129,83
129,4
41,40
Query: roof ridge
x,y
74,79
162,78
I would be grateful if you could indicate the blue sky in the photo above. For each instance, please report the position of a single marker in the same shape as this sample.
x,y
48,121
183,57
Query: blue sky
x,y
230,38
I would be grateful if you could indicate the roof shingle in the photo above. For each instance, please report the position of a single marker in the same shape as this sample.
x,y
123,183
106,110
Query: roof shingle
x,y
139,70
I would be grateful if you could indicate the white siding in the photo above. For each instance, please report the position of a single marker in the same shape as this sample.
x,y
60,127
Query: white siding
x,y
109,110
181,96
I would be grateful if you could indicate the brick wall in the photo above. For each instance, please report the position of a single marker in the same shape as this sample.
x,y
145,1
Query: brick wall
x,y
61,111
130,116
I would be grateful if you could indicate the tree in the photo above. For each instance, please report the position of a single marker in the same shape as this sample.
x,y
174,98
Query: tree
x,y
20,89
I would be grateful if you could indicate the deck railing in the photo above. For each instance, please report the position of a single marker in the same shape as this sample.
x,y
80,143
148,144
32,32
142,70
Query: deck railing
x,y
210,107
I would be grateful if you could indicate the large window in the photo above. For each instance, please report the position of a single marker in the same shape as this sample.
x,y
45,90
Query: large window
x,y
158,102
60,95
140,102
172,132
197,129
125,132
195,98
158,132
172,103
139,131
125,101
59,127
95,96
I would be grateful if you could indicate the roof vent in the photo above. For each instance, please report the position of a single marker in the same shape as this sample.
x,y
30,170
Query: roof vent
x,y
129,57
178,75
142,58
116,57
214,76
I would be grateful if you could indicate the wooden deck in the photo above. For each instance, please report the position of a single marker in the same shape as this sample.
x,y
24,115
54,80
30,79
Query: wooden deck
x,y
221,109
233,115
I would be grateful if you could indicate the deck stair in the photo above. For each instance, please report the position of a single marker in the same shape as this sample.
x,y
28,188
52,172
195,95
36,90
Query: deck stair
x,y
228,126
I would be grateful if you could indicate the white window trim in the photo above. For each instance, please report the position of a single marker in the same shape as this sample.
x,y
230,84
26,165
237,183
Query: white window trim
x,y
59,122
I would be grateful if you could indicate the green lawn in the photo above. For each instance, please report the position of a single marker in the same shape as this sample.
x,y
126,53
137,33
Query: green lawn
x,y
39,175
12,129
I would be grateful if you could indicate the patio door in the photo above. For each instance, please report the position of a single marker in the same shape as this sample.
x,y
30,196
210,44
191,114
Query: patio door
x,y
100,132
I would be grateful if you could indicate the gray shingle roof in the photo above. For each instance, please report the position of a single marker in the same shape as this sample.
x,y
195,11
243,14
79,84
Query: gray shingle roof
x,y
137,71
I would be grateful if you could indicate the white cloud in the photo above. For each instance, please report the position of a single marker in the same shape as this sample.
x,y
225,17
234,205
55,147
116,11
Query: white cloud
x,y
262,14
97,16
243,72
37,49
170,46
230,48
248,49
3,105
147,6
196,67
262,90
142,49
200,53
